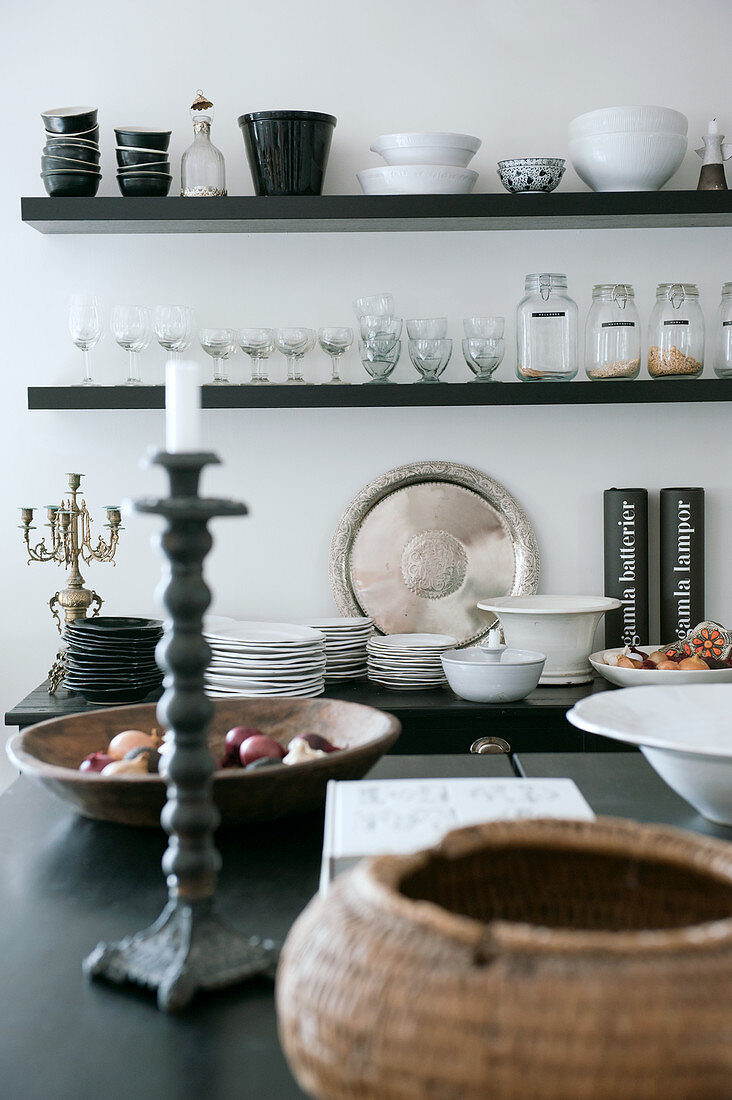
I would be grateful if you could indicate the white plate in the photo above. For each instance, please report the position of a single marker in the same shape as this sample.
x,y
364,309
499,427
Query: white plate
x,y
417,179
645,677
263,633
222,693
345,622
409,642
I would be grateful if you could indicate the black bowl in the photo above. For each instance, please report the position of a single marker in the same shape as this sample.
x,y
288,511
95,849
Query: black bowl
x,y
66,184
69,120
64,164
91,136
126,158
72,151
145,184
158,168
287,150
135,137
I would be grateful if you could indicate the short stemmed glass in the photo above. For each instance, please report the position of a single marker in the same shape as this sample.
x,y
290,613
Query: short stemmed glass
x,y
85,326
483,355
485,328
380,333
258,343
335,342
374,305
132,329
379,364
220,344
427,328
430,357
174,327
294,343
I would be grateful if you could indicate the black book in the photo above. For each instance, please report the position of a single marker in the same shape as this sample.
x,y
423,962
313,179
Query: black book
x,y
682,562
626,565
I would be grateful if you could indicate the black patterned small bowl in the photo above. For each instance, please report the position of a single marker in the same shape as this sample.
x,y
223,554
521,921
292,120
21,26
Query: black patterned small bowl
x,y
530,173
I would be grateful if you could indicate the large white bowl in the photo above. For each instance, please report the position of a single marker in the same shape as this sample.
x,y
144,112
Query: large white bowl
x,y
607,120
602,662
413,148
501,678
563,627
684,732
638,161
417,179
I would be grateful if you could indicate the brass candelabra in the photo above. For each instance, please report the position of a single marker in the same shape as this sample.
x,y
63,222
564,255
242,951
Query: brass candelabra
x,y
70,543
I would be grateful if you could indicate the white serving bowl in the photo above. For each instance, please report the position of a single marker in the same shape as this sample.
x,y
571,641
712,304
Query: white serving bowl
x,y
637,161
608,120
417,179
684,732
563,627
456,150
496,678
604,662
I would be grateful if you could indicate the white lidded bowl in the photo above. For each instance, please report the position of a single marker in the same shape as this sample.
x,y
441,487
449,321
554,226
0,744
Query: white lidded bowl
x,y
684,732
563,627
608,120
456,150
417,179
502,677
633,161
604,662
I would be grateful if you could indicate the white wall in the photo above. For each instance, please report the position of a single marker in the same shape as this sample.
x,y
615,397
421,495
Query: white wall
x,y
513,73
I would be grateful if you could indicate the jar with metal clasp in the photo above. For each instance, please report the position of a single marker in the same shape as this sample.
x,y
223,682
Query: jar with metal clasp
x,y
676,332
612,333
546,330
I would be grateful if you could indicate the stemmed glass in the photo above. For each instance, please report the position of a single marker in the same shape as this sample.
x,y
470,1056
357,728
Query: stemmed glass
x,y
132,329
220,344
335,342
427,328
174,326
430,357
483,355
379,364
374,305
258,343
380,334
85,326
294,343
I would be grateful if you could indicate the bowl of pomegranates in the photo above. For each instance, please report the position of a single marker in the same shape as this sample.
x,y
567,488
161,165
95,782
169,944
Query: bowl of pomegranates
x,y
638,666
272,757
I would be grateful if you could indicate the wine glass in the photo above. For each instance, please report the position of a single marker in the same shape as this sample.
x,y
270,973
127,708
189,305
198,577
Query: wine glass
x,y
85,326
483,355
174,326
430,357
220,344
258,343
379,364
132,329
294,343
335,342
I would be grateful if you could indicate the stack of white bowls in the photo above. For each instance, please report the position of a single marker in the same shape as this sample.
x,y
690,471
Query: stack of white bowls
x,y
422,164
259,658
627,148
345,645
408,662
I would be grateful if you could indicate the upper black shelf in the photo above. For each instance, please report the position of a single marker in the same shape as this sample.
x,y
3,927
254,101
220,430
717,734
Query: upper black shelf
x,y
371,213
641,391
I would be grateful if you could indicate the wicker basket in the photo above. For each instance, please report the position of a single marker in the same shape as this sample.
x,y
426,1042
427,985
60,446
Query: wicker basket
x,y
540,960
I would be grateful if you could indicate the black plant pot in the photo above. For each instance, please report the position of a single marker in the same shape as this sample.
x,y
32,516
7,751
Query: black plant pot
x,y
287,150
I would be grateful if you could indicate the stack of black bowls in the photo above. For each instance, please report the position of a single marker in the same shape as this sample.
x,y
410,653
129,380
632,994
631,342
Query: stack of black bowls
x,y
143,164
70,161
112,660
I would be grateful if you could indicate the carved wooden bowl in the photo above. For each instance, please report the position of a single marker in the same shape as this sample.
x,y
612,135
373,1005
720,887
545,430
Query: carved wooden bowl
x,y
50,753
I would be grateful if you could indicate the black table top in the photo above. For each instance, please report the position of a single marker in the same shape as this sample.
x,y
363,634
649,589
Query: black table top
x,y
66,882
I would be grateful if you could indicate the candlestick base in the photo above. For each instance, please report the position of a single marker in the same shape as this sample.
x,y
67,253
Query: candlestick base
x,y
188,948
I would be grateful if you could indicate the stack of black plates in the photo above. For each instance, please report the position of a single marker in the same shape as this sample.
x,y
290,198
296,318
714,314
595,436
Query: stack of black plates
x,y
112,660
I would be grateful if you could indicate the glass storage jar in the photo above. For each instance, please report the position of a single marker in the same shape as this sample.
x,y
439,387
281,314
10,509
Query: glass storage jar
x,y
723,335
202,166
676,332
612,333
546,330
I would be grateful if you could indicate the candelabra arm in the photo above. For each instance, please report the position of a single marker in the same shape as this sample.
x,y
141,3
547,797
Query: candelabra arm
x,y
56,599
40,551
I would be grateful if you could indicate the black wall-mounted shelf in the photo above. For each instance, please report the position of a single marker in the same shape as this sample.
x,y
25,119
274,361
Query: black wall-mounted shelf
x,y
380,213
641,391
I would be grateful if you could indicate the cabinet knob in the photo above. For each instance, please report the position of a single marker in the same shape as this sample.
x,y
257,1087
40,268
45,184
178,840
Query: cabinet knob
x,y
490,745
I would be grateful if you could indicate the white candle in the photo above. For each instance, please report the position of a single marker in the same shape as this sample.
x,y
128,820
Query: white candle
x,y
182,407
713,127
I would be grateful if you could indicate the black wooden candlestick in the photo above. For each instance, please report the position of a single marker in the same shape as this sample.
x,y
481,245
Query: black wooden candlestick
x,y
189,947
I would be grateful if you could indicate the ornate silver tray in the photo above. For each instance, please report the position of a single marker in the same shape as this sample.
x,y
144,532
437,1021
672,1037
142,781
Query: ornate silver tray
x,y
421,544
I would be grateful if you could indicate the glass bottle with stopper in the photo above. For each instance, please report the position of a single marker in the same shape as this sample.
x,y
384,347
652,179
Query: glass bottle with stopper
x,y
202,168
714,152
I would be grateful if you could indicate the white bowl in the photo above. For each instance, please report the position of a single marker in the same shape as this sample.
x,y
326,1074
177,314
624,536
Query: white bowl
x,y
563,627
502,678
638,161
603,662
683,732
452,149
417,179
607,120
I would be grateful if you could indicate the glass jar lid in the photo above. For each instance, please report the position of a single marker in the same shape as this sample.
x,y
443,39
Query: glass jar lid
x,y
619,292
726,289
677,291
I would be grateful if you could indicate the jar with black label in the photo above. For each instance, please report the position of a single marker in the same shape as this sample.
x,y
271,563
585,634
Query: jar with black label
x,y
676,332
612,333
546,330
723,335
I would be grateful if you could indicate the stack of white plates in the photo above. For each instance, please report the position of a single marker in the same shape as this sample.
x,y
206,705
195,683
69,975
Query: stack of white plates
x,y
257,658
408,662
345,645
